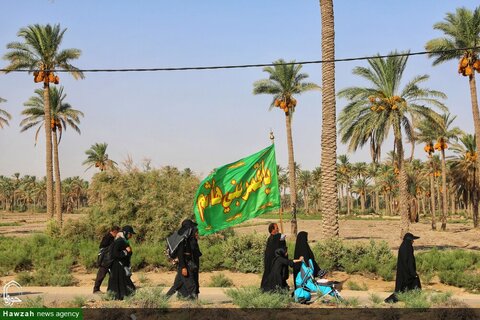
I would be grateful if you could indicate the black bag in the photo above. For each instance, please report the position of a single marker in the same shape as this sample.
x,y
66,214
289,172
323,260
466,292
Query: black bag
x,y
107,256
173,242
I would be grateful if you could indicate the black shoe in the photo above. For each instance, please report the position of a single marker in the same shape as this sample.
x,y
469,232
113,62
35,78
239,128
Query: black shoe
x,y
391,298
97,292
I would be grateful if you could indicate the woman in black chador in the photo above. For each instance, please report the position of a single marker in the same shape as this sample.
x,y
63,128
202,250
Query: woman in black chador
x,y
302,249
407,277
120,282
186,281
277,279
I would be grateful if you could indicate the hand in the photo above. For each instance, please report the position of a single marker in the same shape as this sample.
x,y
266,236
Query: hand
x,y
301,258
129,249
184,272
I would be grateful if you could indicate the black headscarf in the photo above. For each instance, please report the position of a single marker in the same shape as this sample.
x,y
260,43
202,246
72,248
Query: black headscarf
x,y
302,249
407,277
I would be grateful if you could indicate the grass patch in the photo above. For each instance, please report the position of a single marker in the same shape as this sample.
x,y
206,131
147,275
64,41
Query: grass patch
x,y
148,298
143,279
252,297
220,281
352,285
9,224
36,302
78,302
352,302
417,299
375,299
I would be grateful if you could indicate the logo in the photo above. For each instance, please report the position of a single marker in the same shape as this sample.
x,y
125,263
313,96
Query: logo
x,y
9,300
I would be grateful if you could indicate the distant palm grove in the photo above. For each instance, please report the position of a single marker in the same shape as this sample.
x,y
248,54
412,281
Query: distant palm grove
x,y
442,183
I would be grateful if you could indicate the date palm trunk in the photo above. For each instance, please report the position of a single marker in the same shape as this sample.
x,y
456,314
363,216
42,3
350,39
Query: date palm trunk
x,y
402,183
291,174
48,147
58,181
476,122
329,124
432,193
444,192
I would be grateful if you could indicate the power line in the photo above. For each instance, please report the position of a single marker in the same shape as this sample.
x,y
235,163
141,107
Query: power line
x,y
259,65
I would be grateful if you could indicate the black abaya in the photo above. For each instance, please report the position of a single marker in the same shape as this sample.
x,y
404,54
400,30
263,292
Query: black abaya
x,y
302,249
277,279
119,283
407,277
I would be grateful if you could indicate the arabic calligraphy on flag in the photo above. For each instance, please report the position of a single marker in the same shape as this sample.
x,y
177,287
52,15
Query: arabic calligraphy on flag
x,y
237,192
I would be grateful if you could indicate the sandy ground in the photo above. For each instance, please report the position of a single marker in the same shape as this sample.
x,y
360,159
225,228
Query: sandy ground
x,y
458,235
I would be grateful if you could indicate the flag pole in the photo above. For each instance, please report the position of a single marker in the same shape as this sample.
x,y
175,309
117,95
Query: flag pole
x,y
272,138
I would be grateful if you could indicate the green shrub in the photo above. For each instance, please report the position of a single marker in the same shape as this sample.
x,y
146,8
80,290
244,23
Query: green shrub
x,y
79,302
417,299
375,299
374,257
356,287
252,297
220,281
244,253
148,298
36,302
87,254
352,302
212,247
466,279
441,299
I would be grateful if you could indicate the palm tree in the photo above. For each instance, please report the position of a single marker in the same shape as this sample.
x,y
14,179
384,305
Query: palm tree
x,y
461,30
40,52
305,180
384,106
345,169
425,134
443,133
98,157
285,80
62,116
329,124
463,168
4,116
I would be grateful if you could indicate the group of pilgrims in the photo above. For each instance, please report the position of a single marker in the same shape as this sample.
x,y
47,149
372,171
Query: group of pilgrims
x,y
116,252
276,263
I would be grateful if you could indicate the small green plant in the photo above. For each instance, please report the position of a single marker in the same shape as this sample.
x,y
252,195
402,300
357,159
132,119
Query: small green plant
x,y
143,279
417,299
352,302
149,298
221,281
36,302
375,299
79,301
352,285
441,299
427,277
252,297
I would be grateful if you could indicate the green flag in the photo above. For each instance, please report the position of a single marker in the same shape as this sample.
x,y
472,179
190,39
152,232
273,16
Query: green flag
x,y
237,192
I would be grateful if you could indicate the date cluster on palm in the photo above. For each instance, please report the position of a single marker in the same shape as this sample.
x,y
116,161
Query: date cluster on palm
x,y
381,104
429,148
285,104
46,77
55,123
471,156
441,145
468,64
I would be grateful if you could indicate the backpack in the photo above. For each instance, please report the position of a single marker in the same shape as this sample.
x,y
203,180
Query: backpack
x,y
105,256
173,243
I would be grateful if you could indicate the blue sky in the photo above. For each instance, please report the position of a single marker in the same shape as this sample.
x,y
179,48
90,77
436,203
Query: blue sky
x,y
203,119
